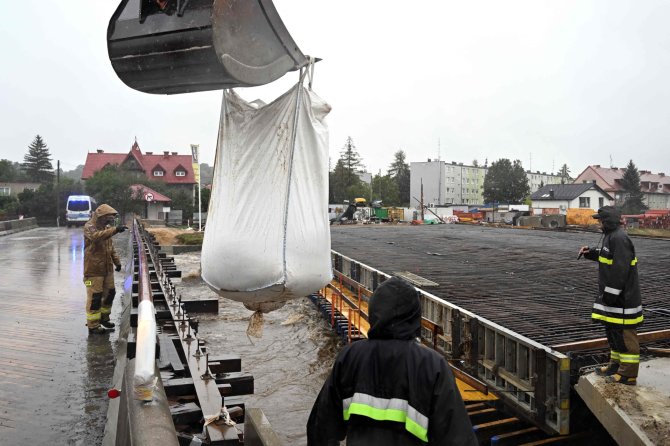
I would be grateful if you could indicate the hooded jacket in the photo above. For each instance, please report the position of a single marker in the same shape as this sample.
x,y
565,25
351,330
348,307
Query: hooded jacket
x,y
389,389
99,254
619,302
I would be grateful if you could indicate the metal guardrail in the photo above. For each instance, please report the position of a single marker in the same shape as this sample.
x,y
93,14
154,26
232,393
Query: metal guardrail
x,y
144,377
529,377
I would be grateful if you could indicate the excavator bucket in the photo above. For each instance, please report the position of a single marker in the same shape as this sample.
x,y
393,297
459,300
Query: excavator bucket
x,y
182,46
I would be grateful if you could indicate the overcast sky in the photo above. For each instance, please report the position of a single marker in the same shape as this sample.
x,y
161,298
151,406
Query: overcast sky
x,y
547,82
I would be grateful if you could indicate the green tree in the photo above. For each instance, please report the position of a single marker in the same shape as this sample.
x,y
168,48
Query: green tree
x,y
565,174
505,182
8,171
385,188
633,197
9,207
344,176
399,172
40,203
111,185
205,195
37,162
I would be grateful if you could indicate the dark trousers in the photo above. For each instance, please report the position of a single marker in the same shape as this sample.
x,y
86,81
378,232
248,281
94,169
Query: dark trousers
x,y
624,349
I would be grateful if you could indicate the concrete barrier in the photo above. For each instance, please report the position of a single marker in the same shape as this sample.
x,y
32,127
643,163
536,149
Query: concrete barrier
x,y
12,226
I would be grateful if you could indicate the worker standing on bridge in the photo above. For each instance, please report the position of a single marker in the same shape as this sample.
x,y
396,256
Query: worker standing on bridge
x,y
389,389
619,304
100,260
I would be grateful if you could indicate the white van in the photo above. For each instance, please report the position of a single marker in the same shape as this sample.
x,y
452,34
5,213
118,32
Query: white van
x,y
79,209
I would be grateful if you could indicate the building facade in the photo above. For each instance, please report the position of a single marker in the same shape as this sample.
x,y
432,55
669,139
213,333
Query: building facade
x,y
169,167
9,189
654,186
457,183
558,198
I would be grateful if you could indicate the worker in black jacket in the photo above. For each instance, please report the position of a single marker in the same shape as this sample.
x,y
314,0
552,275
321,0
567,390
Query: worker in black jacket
x,y
618,305
389,389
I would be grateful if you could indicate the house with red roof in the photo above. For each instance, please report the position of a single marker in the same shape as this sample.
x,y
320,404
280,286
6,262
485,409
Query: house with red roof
x,y
170,167
654,186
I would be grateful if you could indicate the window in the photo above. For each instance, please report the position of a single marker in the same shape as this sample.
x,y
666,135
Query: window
x,y
584,202
5,191
158,173
180,173
601,202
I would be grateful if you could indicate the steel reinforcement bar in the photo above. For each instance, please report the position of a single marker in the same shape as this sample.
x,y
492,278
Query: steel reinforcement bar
x,y
531,378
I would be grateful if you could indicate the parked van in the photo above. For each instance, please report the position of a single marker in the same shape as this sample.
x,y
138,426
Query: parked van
x,y
79,209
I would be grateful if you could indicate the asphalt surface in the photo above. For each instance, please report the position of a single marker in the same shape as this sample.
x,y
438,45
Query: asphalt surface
x,y
53,377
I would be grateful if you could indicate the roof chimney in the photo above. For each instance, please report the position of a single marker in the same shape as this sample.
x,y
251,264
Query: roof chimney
x,y
99,150
596,166
149,153
166,153
661,174
174,153
551,193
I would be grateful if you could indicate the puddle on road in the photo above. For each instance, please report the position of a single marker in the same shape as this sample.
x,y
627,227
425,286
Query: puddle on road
x,y
289,363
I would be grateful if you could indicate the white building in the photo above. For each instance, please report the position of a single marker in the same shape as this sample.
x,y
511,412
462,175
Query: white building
x,y
457,183
561,197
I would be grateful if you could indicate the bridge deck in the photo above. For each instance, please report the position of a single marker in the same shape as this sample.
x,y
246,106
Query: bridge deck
x,y
53,377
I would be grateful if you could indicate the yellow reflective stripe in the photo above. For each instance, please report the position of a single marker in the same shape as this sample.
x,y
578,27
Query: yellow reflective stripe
x,y
614,355
93,316
631,359
605,260
617,320
105,310
88,283
387,415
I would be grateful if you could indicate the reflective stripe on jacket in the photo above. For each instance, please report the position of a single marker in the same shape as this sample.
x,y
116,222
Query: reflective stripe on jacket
x,y
619,302
388,393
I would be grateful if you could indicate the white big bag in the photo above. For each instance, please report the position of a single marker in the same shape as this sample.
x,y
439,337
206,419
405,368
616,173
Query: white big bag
x,y
267,238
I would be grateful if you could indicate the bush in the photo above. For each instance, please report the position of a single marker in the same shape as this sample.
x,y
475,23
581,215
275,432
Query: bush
x,y
194,238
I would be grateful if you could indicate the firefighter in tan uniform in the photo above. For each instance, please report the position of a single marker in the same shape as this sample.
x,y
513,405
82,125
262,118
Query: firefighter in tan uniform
x,y
100,260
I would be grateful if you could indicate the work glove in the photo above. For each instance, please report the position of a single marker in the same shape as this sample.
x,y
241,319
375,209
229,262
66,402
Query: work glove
x,y
118,268
121,228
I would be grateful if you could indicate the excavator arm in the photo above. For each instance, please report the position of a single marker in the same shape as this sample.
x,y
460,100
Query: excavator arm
x,y
183,46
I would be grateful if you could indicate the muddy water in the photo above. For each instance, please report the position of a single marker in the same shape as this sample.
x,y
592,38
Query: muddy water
x,y
289,363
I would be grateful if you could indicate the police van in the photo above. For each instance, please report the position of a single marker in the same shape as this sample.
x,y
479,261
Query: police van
x,y
79,209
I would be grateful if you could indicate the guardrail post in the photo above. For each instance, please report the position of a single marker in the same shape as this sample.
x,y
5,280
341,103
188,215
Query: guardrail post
x,y
540,385
474,347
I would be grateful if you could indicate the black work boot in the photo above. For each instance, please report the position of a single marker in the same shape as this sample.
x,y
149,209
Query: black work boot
x,y
108,324
619,379
608,370
97,330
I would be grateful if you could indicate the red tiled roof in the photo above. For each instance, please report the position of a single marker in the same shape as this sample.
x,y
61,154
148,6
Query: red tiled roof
x,y
168,161
611,177
140,191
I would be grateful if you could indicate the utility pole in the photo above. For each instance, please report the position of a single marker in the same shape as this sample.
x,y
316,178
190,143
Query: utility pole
x,y
195,151
422,216
58,194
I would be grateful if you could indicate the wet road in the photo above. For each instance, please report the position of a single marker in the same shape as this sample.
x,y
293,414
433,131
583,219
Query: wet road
x,y
53,378
289,363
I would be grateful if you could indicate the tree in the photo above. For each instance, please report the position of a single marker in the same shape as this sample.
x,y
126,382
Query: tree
x,y
475,163
385,188
111,185
10,171
505,182
565,174
633,196
399,173
343,177
37,162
